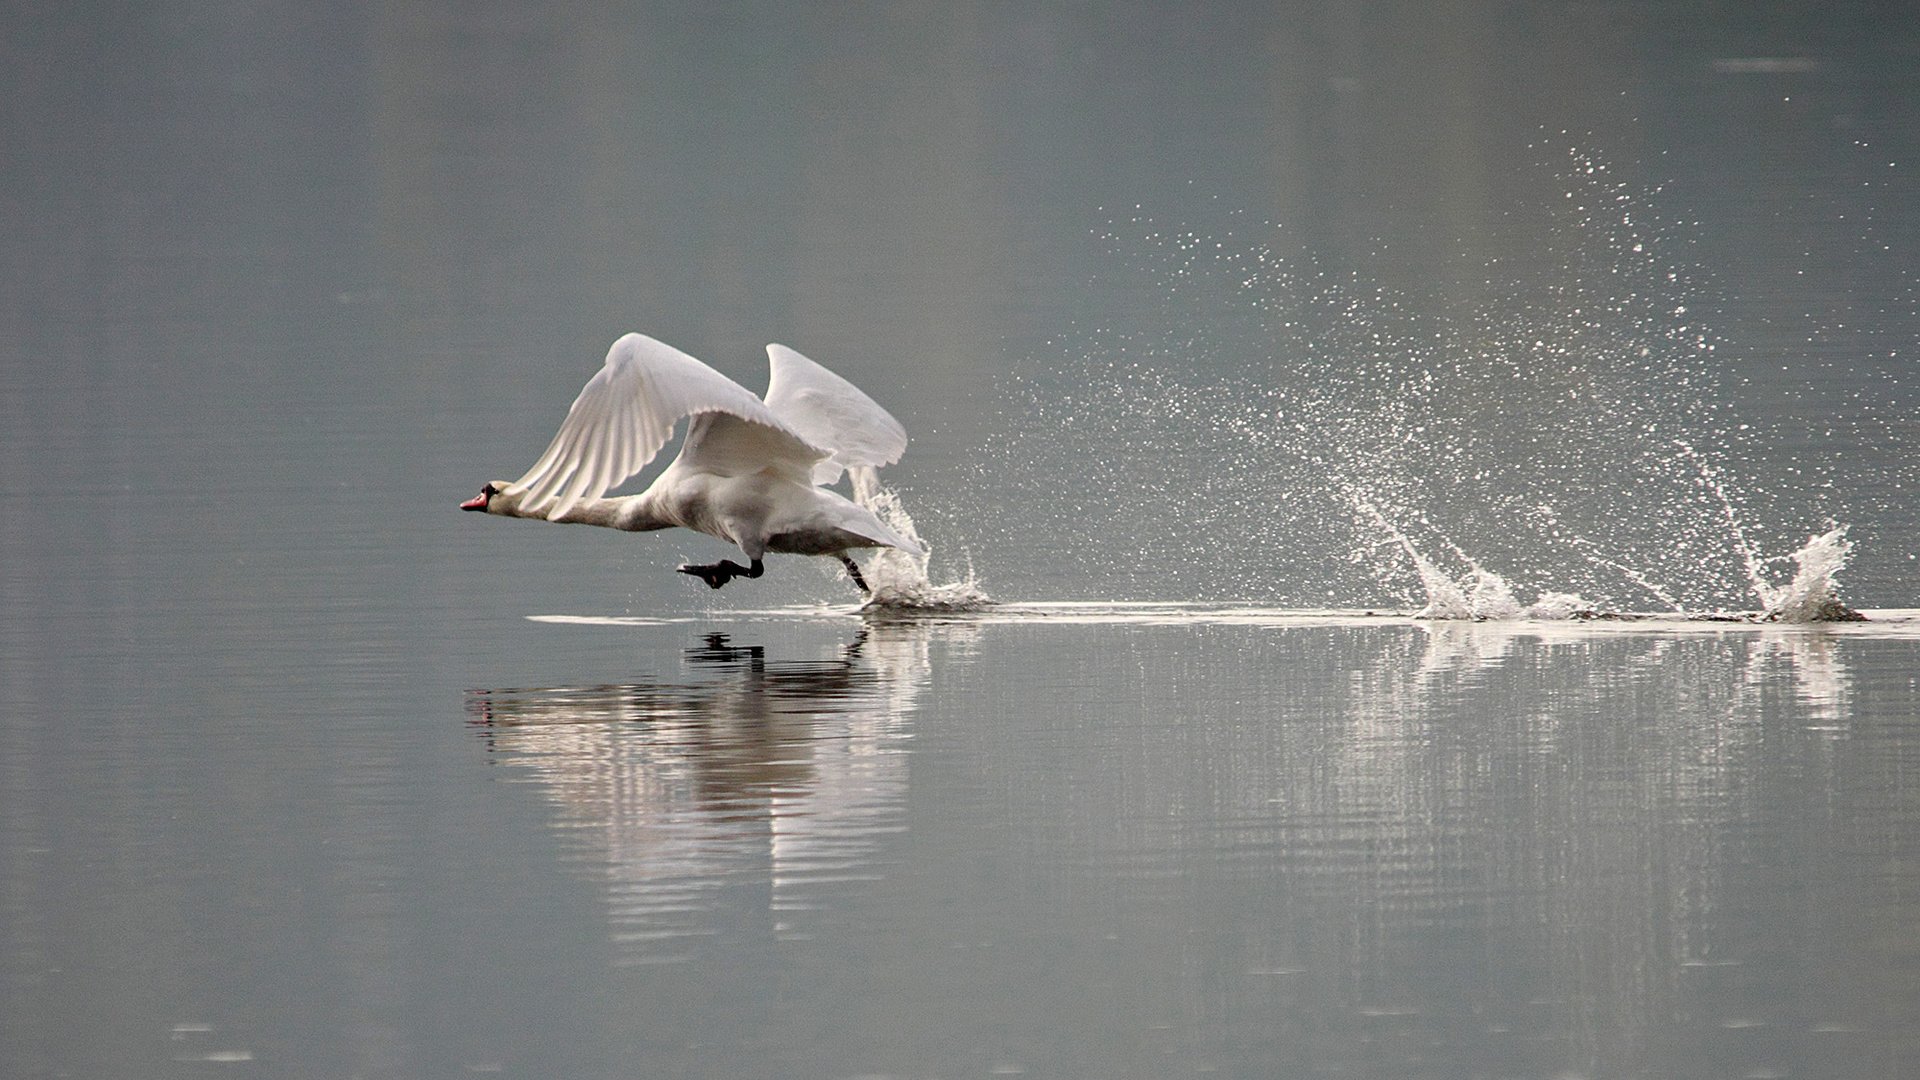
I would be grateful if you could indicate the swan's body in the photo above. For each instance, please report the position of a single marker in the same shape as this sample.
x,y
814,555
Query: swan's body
x,y
750,471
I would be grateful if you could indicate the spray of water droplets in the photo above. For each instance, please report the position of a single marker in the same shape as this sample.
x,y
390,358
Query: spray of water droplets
x,y
899,580
1265,427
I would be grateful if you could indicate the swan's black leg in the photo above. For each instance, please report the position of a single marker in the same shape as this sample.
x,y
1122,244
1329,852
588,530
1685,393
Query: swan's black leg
x,y
853,571
718,574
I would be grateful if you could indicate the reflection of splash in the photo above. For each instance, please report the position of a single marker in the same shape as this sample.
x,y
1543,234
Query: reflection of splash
x,y
1820,677
1463,646
1808,656
1641,751
781,777
1529,841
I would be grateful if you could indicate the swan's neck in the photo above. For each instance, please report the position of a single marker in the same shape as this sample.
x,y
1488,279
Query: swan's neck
x,y
633,513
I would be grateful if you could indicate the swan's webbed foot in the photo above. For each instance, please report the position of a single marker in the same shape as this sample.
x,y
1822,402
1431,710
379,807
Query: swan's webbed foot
x,y
718,574
853,571
714,576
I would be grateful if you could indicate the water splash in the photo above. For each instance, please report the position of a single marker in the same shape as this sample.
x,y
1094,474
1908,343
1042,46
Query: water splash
x,y
1813,594
898,580
1479,593
1258,424
1750,558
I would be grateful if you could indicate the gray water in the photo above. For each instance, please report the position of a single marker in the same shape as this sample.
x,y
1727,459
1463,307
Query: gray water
x,y
304,773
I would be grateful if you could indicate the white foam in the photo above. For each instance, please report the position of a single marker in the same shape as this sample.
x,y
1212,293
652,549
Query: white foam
x,y
1477,593
1813,595
1480,594
898,580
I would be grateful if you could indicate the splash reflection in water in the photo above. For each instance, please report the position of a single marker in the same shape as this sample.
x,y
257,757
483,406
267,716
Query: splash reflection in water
x,y
776,777
1523,851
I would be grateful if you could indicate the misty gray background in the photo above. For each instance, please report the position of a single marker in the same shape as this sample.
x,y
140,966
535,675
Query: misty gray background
x,y
282,284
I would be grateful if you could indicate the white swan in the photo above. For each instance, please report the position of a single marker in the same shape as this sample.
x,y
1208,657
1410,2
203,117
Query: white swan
x,y
750,471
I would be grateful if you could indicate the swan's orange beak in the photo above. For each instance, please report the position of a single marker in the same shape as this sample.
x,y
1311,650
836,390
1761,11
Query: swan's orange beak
x,y
478,502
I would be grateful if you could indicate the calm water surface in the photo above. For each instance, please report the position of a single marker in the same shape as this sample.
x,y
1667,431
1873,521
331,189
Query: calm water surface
x,y
1294,850
303,773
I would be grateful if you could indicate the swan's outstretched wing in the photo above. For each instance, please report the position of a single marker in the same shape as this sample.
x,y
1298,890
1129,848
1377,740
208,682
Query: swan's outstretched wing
x,y
831,412
625,415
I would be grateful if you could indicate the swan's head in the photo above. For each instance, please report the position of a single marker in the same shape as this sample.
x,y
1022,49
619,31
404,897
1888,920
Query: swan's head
x,y
494,498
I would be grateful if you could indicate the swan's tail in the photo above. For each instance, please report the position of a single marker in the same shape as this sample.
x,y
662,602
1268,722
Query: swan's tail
x,y
888,537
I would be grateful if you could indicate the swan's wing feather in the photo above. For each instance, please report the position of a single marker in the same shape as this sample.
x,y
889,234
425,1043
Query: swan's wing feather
x,y
831,412
728,445
626,413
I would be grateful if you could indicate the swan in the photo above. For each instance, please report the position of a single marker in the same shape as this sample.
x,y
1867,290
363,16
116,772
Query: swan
x,y
750,472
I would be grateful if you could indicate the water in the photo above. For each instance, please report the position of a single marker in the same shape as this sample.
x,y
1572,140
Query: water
x,y
1227,840
1229,341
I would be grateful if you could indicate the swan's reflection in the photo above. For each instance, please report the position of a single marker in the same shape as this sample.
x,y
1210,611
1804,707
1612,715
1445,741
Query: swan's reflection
x,y
750,782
